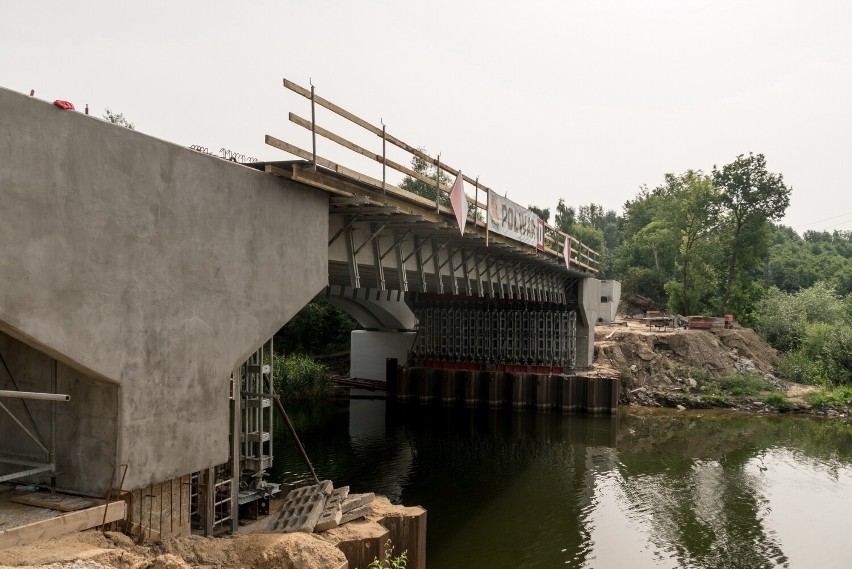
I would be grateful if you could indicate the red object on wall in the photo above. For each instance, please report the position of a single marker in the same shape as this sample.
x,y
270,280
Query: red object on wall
x,y
64,105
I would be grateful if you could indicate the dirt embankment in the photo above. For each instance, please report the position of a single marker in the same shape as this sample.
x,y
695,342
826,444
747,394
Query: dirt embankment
x,y
251,548
695,368
95,550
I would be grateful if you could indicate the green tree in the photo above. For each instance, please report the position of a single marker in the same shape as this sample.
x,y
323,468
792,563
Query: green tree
x,y
750,197
117,118
542,212
317,329
421,188
690,207
647,247
565,218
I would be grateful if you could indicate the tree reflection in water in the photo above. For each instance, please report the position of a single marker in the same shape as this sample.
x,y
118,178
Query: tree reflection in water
x,y
520,489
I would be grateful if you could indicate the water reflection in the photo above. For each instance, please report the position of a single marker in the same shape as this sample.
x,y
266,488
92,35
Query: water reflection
x,y
643,489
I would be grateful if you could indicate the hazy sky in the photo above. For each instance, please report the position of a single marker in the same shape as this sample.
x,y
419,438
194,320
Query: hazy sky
x,y
581,100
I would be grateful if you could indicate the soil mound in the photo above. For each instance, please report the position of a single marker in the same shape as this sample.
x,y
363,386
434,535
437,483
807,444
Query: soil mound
x,y
634,305
670,367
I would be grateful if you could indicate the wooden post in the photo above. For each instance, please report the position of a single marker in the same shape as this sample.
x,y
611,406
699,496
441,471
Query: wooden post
x,y
209,501
408,533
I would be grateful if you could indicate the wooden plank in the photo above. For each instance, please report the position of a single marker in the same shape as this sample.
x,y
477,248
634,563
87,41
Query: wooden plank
x,y
304,123
61,502
377,131
325,163
61,525
369,154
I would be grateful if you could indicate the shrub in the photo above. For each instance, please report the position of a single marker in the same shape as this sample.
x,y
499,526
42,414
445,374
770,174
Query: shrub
x,y
390,562
839,397
743,384
298,376
798,367
782,318
777,400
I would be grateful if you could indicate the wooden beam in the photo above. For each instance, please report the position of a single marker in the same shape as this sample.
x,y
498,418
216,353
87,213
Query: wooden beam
x,y
375,130
61,525
371,155
305,155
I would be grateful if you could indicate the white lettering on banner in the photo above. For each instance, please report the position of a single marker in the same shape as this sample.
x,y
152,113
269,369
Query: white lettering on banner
x,y
508,218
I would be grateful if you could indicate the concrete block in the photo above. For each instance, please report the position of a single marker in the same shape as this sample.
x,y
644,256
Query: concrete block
x,y
332,512
356,501
355,514
302,508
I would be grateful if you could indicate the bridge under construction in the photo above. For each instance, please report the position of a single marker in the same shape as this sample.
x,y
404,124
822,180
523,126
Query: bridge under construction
x,y
141,281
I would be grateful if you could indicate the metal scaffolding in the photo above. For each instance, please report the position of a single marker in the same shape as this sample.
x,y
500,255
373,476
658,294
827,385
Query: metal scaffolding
x,y
47,448
496,332
217,493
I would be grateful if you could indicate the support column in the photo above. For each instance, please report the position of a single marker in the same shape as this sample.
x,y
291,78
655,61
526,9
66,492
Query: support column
x,y
588,300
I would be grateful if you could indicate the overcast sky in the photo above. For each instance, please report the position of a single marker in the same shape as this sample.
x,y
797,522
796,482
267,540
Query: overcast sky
x,y
581,100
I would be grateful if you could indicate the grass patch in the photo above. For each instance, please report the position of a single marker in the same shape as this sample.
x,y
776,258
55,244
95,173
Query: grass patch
x,y
778,401
299,377
744,384
716,400
831,397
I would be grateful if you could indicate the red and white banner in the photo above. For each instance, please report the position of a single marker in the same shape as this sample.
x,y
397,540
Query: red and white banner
x,y
539,234
566,251
458,199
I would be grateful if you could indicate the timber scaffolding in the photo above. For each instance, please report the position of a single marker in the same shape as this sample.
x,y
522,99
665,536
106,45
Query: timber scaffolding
x,y
347,185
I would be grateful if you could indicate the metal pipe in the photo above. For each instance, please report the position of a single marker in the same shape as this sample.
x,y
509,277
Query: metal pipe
x,y
384,158
438,185
54,385
292,430
34,395
313,128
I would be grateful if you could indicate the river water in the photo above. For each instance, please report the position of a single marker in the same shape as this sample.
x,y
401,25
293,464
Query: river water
x,y
646,488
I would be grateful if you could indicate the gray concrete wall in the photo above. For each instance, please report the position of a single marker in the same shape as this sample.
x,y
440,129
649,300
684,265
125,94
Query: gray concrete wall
x,y
610,297
141,262
86,426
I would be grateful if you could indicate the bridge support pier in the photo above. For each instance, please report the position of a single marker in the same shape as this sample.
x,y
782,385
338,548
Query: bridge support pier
x,y
588,300
370,350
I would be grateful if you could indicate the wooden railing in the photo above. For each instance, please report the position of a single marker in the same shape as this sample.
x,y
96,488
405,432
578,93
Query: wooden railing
x,y
582,256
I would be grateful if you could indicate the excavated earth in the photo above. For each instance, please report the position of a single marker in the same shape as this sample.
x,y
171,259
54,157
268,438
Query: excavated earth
x,y
685,368
112,550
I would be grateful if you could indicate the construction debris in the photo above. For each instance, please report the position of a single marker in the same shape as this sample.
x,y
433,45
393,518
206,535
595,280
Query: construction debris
x,y
319,508
332,513
302,508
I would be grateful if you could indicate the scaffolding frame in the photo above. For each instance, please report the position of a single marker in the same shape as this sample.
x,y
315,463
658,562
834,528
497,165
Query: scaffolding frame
x,y
48,448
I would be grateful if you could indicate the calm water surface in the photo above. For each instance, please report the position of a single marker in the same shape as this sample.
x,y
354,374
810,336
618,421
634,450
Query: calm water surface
x,y
643,489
